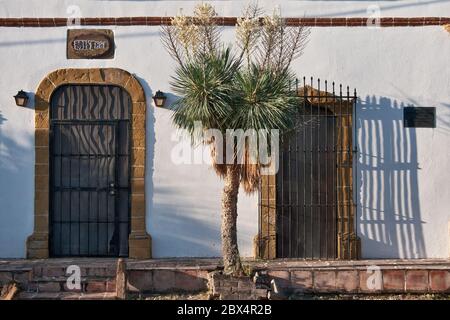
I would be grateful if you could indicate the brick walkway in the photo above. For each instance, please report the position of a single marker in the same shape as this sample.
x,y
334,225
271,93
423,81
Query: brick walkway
x,y
215,263
48,276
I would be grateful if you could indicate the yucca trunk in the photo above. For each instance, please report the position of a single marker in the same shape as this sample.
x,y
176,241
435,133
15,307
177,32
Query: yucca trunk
x,y
230,251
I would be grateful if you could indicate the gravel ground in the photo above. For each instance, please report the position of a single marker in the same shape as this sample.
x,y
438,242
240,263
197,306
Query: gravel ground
x,y
373,297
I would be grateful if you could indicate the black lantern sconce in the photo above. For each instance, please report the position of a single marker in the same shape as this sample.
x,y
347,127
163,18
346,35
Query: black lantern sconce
x,y
21,98
159,98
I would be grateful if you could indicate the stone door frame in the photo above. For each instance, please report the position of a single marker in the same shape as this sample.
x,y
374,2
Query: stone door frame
x,y
139,240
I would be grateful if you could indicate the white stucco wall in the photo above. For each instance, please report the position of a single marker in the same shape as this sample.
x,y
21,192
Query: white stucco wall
x,y
403,179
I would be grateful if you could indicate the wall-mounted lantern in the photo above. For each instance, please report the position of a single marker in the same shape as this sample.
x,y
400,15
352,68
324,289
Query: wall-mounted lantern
x,y
21,98
159,98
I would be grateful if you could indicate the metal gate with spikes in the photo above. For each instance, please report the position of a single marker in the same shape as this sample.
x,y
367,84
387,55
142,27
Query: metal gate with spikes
x,y
307,210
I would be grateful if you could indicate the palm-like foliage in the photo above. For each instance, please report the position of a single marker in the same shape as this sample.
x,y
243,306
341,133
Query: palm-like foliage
x,y
264,100
206,88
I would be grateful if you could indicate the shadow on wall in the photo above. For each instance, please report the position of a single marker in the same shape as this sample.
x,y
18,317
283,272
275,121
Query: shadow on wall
x,y
185,230
389,217
16,173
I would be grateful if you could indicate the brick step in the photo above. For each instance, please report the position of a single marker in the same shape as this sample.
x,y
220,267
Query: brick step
x,y
64,279
59,284
85,271
66,296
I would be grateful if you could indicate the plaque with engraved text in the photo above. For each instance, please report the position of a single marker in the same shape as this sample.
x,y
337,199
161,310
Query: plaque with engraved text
x,y
90,44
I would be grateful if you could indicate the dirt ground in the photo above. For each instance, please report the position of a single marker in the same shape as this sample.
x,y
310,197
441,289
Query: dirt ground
x,y
205,296
178,296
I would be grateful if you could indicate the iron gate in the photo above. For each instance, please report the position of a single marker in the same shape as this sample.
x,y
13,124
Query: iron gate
x,y
89,171
308,211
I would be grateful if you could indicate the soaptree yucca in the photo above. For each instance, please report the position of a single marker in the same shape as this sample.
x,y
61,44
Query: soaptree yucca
x,y
242,87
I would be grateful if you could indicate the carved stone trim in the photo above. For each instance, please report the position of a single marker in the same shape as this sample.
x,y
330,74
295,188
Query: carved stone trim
x,y
139,240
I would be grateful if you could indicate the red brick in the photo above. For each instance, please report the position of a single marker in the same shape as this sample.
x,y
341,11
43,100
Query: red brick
x,y
96,286
13,22
432,21
325,281
292,22
386,22
165,20
282,278
440,281
46,22
22,277
111,285
416,21
153,21
5,278
233,296
323,22
308,21
416,281
163,280
354,22
339,22
123,21
301,281
401,21
139,21
140,280
394,280
30,22
107,21
245,284
375,279
90,21
60,22
226,21
72,290
53,271
347,281
101,272
49,287
203,274
229,21
188,280
93,296
260,293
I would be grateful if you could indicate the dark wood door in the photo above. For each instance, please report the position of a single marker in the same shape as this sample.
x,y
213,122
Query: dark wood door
x,y
306,190
89,166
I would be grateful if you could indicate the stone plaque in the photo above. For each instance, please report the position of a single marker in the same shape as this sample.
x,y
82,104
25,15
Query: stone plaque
x,y
90,44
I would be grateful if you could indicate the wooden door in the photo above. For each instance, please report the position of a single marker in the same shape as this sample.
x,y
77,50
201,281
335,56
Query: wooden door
x,y
89,171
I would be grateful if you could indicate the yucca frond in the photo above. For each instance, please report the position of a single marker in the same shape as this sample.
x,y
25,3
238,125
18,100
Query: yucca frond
x,y
205,86
265,100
